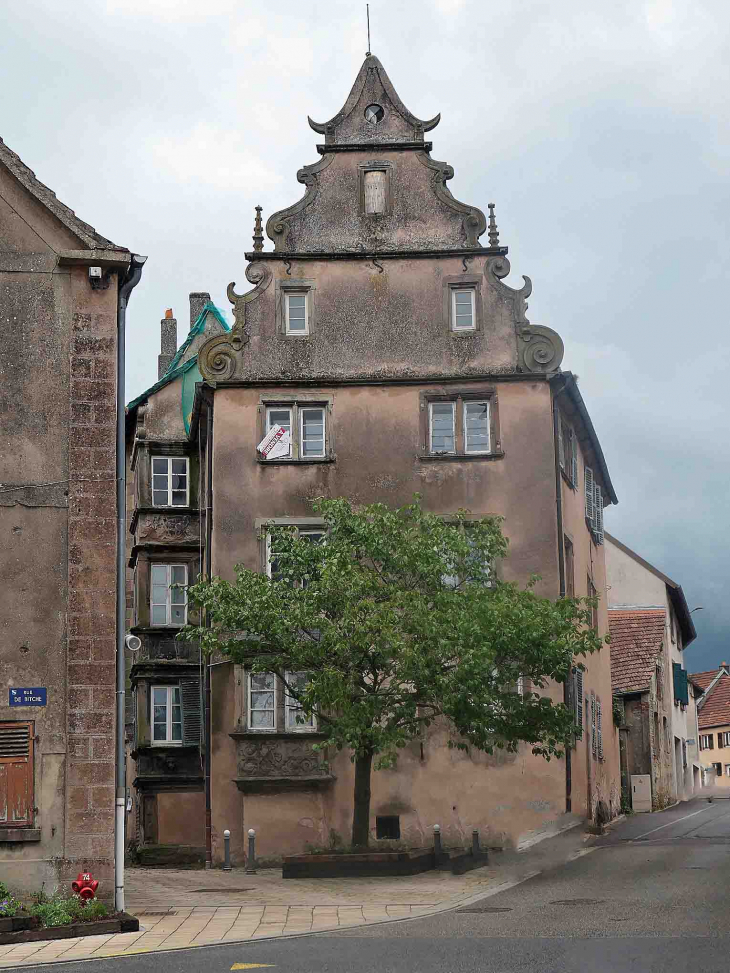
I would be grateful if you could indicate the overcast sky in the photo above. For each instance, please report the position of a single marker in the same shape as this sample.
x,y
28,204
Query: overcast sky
x,y
600,131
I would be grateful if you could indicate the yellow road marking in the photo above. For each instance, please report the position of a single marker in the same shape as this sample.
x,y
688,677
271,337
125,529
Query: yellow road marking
x,y
250,966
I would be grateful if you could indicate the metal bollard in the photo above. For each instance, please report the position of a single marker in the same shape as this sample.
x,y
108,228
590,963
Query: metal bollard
x,y
437,841
226,851
475,842
251,863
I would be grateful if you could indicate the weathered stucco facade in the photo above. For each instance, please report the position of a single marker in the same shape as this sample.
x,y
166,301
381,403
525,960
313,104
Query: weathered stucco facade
x,y
57,516
378,314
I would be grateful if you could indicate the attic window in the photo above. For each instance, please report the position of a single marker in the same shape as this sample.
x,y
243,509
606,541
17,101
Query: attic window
x,y
374,114
375,191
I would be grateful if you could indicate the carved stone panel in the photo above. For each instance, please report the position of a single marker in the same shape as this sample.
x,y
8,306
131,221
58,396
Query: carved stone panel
x,y
167,528
281,757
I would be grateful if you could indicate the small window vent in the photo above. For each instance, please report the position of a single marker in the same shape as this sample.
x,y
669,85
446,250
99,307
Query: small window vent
x,y
387,827
14,741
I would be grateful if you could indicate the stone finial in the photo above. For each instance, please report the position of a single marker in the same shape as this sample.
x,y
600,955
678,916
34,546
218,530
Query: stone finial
x,y
258,231
493,231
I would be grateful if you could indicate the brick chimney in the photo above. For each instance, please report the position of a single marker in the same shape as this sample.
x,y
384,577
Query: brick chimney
x,y
198,300
168,342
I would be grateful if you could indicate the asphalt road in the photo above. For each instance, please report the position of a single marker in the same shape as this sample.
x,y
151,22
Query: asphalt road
x,y
651,896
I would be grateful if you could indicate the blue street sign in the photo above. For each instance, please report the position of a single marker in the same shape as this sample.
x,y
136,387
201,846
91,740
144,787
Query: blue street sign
x,y
27,697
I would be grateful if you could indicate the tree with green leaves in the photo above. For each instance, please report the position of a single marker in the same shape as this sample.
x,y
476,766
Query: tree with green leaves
x,y
399,619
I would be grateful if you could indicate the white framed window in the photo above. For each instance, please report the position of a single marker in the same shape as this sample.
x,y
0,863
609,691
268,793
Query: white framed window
x,y
707,741
170,481
168,595
315,535
167,727
297,320
294,716
277,415
476,426
726,739
463,316
261,701
307,427
727,770
311,431
442,427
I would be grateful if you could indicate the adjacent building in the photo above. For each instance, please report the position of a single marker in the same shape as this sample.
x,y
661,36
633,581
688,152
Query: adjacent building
x,y
380,333
59,300
714,725
655,703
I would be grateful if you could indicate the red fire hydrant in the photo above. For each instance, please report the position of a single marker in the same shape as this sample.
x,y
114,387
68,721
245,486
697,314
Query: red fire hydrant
x,y
85,886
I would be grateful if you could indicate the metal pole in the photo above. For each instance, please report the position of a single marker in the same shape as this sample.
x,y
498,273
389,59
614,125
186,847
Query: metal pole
x,y
130,281
226,851
251,863
475,842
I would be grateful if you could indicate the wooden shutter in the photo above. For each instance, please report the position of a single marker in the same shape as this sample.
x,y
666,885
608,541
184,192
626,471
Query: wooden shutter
x,y
574,458
593,725
191,709
16,775
579,697
681,687
599,725
561,448
598,519
590,495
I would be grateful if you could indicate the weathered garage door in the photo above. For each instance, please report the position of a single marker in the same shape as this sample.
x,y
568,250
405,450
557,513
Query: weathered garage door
x,y
16,775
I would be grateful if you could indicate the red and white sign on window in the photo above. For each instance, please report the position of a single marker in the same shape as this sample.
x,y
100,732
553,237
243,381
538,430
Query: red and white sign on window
x,y
276,443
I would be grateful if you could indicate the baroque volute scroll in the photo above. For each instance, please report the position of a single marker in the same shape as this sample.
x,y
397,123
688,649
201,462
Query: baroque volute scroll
x,y
218,358
539,349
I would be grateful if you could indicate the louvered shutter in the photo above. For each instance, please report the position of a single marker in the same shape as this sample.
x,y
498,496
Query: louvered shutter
x,y
593,724
578,696
192,711
16,775
599,726
574,458
598,519
681,686
590,495
561,453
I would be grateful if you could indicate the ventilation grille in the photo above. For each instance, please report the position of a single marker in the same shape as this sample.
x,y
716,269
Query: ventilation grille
x,y
14,741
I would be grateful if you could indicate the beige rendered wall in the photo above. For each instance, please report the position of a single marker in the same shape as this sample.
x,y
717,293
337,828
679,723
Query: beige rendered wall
x,y
377,444
181,819
718,755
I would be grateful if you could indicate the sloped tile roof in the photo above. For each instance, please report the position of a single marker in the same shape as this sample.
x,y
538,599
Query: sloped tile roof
x,y
636,640
27,178
703,679
715,709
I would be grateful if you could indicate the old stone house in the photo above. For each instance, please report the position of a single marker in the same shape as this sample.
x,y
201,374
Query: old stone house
x,y
381,334
651,626
714,725
59,302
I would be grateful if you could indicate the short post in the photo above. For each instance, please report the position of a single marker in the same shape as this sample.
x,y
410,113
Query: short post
x,y
437,842
251,863
226,851
475,843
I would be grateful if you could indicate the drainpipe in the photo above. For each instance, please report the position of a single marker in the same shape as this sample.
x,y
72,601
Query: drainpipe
x,y
208,557
561,573
130,281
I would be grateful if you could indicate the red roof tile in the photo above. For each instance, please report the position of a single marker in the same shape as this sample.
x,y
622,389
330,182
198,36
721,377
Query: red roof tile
x,y
636,640
715,710
703,679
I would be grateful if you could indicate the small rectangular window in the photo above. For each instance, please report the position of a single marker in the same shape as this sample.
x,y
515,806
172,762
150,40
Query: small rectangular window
x,y
170,481
463,317
166,715
312,432
387,827
16,774
726,739
168,602
727,770
315,536
476,427
442,427
295,716
262,701
375,190
296,313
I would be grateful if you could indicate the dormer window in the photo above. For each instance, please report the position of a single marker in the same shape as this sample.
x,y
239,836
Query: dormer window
x,y
296,313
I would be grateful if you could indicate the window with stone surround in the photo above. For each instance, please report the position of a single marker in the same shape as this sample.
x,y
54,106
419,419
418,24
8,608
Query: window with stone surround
x,y
170,481
167,718
462,424
271,705
307,423
168,594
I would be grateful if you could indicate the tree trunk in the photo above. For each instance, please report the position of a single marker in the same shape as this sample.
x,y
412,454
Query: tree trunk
x,y
361,812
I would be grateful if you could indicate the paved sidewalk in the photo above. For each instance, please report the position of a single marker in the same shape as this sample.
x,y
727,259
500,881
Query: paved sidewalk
x,y
180,908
